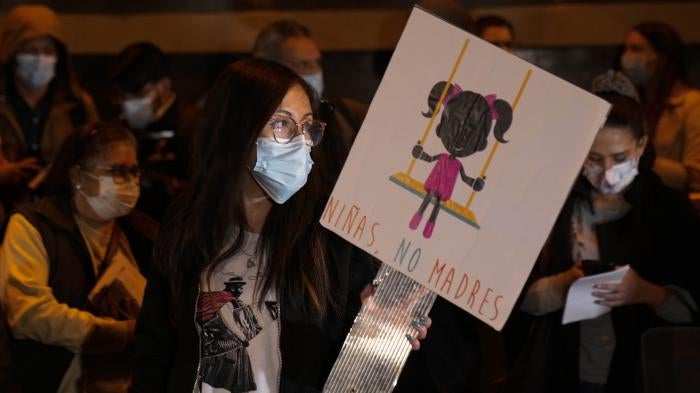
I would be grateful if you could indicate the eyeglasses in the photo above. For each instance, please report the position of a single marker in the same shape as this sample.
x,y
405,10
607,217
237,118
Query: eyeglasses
x,y
122,173
284,129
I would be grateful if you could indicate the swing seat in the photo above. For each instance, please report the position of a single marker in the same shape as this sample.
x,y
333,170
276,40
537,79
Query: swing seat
x,y
451,207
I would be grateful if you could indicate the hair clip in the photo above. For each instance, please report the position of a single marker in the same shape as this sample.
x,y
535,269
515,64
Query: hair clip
x,y
453,91
615,82
491,100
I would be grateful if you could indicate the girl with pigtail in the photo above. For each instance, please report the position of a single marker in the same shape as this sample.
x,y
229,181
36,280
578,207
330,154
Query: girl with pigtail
x,y
467,119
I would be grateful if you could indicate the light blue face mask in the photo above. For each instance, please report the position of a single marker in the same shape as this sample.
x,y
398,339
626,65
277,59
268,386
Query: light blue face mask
x,y
315,81
282,169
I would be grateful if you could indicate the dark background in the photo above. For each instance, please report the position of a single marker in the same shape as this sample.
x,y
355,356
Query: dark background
x,y
353,74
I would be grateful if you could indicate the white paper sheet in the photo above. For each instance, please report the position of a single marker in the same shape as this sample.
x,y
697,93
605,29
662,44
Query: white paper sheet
x,y
580,304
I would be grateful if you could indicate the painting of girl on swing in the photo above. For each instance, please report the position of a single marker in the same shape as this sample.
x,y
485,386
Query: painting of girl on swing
x,y
467,119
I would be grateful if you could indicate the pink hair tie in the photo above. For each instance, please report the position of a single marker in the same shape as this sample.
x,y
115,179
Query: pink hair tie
x,y
454,90
491,100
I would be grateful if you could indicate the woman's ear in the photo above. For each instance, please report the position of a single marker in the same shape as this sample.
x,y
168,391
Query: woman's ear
x,y
641,145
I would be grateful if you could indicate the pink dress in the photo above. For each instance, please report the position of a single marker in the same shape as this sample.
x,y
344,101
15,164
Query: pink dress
x,y
442,179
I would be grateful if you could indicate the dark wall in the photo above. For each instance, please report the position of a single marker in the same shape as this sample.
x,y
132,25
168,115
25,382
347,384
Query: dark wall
x,y
129,6
349,74
357,74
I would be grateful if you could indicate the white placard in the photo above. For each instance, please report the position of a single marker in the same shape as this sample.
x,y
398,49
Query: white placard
x,y
480,248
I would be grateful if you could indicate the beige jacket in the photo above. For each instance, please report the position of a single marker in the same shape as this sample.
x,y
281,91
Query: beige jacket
x,y
677,143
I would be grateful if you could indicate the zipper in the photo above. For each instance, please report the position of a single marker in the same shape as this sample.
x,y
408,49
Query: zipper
x,y
199,337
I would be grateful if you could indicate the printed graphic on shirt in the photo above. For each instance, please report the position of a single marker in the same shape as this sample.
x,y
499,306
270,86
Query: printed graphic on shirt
x,y
225,360
274,309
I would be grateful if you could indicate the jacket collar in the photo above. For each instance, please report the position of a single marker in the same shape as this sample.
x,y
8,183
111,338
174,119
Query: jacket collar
x,y
58,212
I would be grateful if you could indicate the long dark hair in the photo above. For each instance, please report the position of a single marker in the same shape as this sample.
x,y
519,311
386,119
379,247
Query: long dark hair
x,y
80,148
670,69
196,233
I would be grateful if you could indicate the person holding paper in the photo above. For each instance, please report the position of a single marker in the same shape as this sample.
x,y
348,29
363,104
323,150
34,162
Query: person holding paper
x,y
57,251
249,292
618,213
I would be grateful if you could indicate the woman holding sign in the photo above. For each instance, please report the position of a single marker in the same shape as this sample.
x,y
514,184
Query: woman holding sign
x,y
250,293
66,335
618,213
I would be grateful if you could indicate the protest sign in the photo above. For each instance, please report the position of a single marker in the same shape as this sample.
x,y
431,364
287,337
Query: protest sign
x,y
461,166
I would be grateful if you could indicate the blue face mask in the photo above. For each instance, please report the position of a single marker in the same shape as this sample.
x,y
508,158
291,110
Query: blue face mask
x,y
282,169
315,81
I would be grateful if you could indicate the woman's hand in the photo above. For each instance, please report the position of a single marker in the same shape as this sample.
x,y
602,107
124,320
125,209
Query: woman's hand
x,y
575,272
420,325
18,171
633,289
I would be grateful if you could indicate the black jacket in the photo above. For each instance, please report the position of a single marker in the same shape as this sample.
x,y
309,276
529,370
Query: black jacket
x,y
167,351
658,238
71,278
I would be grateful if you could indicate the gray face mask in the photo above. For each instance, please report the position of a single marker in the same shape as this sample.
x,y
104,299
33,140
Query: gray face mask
x,y
36,71
636,68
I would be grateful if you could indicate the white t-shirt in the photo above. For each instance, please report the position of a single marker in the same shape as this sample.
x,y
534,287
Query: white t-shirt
x,y
239,339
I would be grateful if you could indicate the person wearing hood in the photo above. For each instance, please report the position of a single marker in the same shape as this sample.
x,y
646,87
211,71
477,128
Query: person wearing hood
x,y
41,102
143,86
618,213
653,59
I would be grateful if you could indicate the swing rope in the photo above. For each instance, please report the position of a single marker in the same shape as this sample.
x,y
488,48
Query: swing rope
x,y
439,103
497,143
